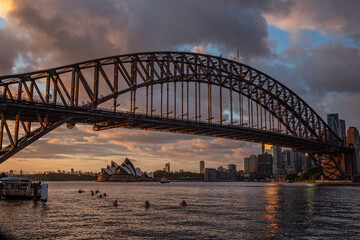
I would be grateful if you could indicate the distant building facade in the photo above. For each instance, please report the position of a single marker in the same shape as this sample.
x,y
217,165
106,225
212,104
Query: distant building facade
x,y
275,152
342,128
295,162
221,174
167,167
333,122
232,167
265,166
246,165
253,165
210,175
202,166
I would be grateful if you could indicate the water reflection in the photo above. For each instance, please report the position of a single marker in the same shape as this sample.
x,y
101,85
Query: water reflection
x,y
309,198
271,214
215,211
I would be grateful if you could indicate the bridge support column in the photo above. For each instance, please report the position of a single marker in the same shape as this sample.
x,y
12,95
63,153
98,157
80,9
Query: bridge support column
x,y
333,166
353,158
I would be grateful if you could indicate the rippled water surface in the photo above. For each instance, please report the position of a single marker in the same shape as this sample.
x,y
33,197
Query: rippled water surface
x,y
216,211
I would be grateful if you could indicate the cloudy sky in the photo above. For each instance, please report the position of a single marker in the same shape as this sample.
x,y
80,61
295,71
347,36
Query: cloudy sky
x,y
312,46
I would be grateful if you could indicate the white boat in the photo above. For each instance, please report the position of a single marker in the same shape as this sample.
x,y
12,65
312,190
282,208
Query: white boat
x,y
22,188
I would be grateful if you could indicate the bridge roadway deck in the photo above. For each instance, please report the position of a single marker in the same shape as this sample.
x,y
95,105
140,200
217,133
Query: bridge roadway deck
x,y
102,119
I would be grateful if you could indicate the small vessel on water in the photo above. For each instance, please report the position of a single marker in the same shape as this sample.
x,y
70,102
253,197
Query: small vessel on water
x,y
164,180
22,188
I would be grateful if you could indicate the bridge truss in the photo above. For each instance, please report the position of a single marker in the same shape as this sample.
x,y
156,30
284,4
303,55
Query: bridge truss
x,y
165,91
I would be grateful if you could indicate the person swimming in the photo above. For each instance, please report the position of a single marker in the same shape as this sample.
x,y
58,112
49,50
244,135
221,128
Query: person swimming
x,y
104,194
100,196
183,203
115,203
92,193
147,204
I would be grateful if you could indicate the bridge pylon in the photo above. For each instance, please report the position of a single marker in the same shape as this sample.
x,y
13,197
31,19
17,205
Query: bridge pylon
x,y
353,157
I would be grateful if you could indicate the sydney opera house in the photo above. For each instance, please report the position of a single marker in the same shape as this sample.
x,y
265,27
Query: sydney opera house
x,y
126,172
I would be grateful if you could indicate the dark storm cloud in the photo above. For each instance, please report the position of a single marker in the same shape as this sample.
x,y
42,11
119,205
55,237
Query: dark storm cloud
x,y
331,17
10,48
67,31
333,68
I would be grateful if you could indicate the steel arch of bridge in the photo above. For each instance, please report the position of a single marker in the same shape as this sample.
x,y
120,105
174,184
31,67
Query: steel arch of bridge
x,y
267,111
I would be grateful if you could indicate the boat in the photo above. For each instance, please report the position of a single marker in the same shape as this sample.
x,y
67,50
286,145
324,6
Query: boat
x,y
164,180
22,188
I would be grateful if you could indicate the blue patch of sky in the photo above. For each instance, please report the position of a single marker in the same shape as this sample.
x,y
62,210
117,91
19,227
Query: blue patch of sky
x,y
210,48
312,37
315,38
282,38
2,22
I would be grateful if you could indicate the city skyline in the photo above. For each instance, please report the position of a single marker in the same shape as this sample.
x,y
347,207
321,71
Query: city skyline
x,y
298,43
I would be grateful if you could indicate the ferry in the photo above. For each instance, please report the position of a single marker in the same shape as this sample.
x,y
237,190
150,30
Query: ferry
x,y
22,188
164,180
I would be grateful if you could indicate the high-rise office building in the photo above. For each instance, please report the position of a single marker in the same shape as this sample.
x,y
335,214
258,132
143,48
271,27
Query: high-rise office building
x,y
275,152
264,165
210,174
246,165
294,162
232,167
342,129
253,165
333,122
202,166
167,167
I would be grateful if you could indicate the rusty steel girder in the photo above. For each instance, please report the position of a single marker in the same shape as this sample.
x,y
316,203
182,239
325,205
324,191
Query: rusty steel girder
x,y
181,91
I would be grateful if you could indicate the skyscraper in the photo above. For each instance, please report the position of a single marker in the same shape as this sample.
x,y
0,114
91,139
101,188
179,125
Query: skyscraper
x,y
342,129
202,166
246,165
275,152
333,122
264,165
167,167
232,167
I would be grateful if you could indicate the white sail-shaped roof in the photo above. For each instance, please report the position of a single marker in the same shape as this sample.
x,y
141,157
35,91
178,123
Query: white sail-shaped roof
x,y
112,169
106,171
138,172
126,169
150,175
130,166
115,165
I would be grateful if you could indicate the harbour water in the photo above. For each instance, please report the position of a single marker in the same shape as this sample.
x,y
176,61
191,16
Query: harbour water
x,y
227,210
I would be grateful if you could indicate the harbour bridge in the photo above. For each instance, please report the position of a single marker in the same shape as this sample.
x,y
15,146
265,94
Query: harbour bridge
x,y
178,92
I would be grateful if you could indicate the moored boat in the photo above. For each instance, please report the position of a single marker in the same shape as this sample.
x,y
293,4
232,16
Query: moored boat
x,y
22,188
